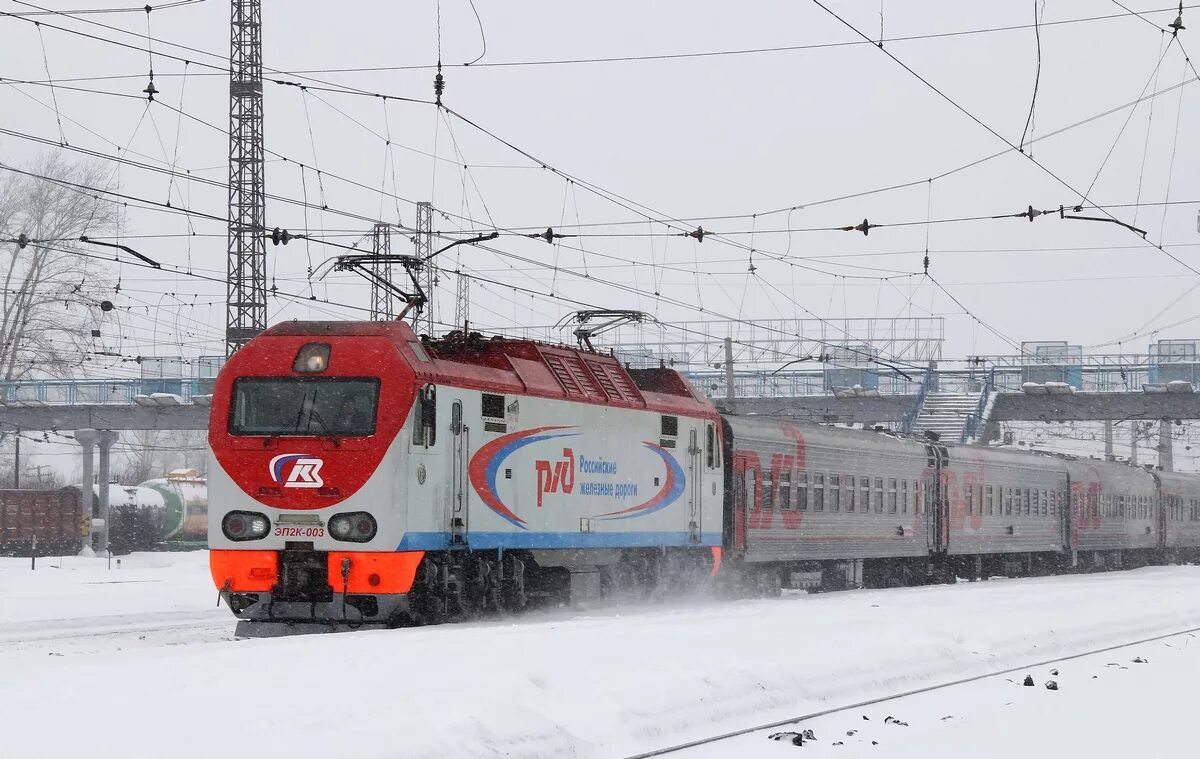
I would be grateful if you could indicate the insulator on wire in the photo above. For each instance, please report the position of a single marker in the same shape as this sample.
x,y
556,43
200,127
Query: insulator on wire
x,y
439,84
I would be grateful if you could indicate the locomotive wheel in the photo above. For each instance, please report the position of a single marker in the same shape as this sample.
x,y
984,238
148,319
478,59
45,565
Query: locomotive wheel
x,y
511,596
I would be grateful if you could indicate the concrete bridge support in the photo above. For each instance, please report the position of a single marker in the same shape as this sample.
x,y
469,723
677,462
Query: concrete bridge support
x,y
1166,451
96,541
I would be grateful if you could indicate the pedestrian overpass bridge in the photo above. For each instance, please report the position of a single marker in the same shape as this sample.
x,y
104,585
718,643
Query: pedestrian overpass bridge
x,y
960,404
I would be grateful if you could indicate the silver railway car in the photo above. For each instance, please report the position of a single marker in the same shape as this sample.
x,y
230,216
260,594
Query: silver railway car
x,y
1179,496
1003,502
808,493
1113,509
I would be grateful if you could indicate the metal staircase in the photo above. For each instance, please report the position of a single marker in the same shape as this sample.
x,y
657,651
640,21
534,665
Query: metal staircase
x,y
947,414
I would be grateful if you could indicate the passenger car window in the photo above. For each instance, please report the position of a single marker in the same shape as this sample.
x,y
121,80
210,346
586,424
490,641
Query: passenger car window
x,y
818,495
785,491
851,492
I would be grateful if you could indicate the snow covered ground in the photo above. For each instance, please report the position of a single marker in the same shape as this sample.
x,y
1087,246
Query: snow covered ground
x,y
1132,701
142,656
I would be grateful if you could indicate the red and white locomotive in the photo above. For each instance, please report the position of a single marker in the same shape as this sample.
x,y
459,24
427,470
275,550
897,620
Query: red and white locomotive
x,y
360,475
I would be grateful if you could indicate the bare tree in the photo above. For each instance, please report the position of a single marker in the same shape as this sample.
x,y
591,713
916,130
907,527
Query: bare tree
x,y
149,454
46,317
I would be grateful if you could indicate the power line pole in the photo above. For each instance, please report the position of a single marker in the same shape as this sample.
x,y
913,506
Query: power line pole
x,y
423,243
381,297
246,293
462,301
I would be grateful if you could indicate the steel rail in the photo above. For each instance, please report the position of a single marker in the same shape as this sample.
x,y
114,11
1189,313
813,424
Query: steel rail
x,y
903,694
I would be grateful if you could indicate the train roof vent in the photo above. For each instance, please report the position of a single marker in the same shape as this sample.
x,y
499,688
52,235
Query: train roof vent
x,y
661,380
615,382
571,373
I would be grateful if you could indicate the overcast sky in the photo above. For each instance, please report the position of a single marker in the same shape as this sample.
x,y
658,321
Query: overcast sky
x,y
692,137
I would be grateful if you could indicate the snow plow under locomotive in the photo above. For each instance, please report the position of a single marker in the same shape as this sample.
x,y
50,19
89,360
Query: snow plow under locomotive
x,y
359,475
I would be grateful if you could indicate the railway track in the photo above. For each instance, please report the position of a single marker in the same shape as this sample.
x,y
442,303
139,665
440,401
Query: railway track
x,y
116,625
903,694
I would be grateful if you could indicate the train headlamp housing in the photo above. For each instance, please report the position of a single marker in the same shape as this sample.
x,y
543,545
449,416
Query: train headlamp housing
x,y
312,358
353,526
245,525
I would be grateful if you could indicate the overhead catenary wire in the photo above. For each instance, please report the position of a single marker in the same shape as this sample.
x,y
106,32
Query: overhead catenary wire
x,y
958,106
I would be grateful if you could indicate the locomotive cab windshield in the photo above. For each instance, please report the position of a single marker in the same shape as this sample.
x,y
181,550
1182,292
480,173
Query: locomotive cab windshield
x,y
304,406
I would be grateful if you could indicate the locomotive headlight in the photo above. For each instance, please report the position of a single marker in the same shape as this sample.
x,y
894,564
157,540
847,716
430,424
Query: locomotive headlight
x,y
244,525
354,526
312,358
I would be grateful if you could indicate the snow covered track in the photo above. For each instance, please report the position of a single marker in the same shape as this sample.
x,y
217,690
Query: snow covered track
x,y
587,685
1021,668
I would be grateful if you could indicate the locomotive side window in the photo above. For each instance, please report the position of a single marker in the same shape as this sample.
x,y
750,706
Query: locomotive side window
x,y
425,417
670,426
709,446
818,492
299,406
802,491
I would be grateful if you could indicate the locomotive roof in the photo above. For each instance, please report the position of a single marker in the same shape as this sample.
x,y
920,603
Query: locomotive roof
x,y
523,367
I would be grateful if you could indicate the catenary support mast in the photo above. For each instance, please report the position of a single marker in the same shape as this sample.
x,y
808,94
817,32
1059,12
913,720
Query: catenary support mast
x,y
246,294
423,243
381,297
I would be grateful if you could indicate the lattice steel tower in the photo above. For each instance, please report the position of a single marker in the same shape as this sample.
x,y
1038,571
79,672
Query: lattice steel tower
x,y
381,297
246,294
462,304
423,243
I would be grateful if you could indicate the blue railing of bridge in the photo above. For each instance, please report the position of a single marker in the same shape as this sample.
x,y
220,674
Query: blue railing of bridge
x,y
971,427
95,392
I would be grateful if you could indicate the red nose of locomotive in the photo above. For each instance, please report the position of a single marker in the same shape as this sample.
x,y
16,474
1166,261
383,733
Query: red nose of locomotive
x,y
302,520
303,415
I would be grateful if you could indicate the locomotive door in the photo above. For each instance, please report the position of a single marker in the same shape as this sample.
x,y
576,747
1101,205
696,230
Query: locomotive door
x,y
460,454
743,495
695,486
931,503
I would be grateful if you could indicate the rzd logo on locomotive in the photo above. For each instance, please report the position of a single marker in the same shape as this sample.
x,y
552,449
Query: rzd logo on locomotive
x,y
304,471
555,477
